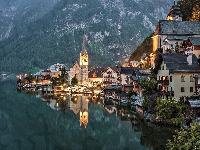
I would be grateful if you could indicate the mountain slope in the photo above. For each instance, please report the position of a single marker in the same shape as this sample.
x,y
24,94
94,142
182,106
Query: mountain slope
x,y
114,28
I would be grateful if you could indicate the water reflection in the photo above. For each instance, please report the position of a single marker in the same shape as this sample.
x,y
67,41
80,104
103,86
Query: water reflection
x,y
60,121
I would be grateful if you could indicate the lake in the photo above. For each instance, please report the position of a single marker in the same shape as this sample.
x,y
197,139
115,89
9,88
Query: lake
x,y
30,121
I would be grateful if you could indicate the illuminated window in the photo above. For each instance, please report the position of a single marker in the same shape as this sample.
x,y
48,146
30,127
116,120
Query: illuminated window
x,y
94,75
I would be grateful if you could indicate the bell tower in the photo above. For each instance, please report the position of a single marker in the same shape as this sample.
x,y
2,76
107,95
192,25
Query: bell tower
x,y
174,13
83,53
84,62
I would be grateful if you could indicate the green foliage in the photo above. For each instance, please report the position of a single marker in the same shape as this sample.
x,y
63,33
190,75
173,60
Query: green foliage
x,y
186,140
130,93
190,9
64,76
119,90
74,81
170,109
30,78
145,103
54,81
149,84
144,47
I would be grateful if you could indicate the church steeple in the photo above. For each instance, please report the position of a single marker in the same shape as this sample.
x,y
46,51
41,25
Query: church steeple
x,y
174,13
83,53
84,50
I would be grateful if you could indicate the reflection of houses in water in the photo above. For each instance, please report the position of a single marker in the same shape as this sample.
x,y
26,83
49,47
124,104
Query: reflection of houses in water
x,y
79,104
110,109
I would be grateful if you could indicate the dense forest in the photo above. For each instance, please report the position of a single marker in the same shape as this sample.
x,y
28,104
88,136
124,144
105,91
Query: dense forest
x,y
191,12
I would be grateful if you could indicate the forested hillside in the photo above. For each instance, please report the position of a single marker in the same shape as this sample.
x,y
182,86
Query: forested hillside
x,y
36,34
191,12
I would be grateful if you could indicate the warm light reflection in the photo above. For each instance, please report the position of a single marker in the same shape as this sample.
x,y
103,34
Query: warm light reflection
x,y
84,118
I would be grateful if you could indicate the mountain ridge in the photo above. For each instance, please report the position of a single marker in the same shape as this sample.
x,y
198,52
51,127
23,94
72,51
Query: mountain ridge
x,y
113,29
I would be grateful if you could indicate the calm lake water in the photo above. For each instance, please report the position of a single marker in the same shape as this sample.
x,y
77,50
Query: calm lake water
x,y
29,123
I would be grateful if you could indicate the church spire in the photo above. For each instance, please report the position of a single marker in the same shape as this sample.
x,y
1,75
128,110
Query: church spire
x,y
83,53
84,50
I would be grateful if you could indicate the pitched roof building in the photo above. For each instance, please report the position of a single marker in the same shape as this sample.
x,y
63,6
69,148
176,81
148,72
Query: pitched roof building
x,y
176,74
176,36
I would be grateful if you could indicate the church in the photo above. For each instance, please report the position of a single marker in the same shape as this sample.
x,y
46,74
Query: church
x,y
80,68
174,35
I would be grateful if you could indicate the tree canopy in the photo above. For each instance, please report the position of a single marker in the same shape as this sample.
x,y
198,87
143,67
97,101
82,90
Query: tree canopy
x,y
190,9
186,139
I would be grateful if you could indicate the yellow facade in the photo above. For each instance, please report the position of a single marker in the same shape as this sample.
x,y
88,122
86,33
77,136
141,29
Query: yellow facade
x,y
180,83
155,42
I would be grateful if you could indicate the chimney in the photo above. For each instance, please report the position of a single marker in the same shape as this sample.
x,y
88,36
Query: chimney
x,y
174,2
189,59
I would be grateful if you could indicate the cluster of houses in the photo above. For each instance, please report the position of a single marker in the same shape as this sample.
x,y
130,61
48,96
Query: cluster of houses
x,y
177,67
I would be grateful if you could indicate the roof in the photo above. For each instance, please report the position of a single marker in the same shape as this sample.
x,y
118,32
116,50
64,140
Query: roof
x,y
177,27
178,63
127,70
175,10
194,103
128,85
173,37
195,40
114,68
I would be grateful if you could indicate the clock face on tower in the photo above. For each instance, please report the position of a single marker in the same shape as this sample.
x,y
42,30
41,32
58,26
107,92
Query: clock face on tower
x,y
84,60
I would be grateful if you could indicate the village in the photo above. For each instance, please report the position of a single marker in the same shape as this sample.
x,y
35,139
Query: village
x,y
170,73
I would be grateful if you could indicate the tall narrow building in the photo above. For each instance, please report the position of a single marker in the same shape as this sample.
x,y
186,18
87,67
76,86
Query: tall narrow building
x,y
83,62
80,68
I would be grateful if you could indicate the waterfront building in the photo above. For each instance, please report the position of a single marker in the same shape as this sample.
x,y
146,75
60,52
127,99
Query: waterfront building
x,y
176,74
95,76
111,76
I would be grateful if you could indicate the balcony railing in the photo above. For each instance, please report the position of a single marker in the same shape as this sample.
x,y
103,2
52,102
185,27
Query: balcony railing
x,y
163,82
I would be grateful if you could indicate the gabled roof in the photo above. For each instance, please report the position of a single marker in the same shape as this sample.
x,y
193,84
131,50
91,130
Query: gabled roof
x,y
76,63
177,27
178,63
115,68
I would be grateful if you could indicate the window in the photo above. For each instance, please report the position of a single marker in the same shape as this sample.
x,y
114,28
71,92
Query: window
x,y
170,78
182,89
191,89
163,67
182,78
191,78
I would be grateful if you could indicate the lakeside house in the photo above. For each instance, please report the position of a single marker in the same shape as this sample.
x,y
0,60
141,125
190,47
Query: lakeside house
x,y
176,74
95,76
